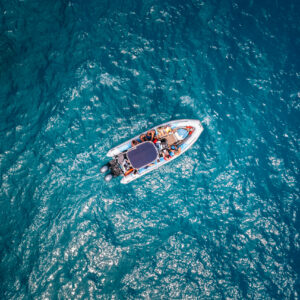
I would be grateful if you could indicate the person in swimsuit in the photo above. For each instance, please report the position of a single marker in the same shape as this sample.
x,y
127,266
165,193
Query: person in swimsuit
x,y
163,131
143,137
175,150
134,143
166,154
160,132
148,137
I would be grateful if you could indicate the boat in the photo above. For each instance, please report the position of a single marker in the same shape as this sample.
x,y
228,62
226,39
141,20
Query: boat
x,y
151,149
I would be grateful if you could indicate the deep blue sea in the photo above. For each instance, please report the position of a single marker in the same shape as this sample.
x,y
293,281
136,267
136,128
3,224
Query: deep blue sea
x,y
78,78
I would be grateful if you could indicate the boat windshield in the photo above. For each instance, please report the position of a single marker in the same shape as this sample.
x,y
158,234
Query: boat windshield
x,y
142,155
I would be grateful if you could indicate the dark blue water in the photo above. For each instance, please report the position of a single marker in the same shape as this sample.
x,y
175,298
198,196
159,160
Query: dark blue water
x,y
79,77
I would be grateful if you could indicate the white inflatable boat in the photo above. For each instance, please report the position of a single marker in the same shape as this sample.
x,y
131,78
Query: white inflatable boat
x,y
151,149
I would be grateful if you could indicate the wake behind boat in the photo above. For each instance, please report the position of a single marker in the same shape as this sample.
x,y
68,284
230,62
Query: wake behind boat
x,y
151,149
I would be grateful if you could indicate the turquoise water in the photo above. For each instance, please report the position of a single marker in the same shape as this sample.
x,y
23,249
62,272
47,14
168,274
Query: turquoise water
x,y
78,78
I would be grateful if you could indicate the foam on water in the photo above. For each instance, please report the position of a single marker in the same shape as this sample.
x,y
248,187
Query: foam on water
x,y
222,221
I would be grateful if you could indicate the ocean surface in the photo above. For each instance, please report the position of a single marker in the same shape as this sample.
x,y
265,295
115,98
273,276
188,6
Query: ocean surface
x,y
78,78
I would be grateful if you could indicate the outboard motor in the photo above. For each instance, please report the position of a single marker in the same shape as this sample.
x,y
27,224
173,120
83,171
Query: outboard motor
x,y
108,177
104,168
114,170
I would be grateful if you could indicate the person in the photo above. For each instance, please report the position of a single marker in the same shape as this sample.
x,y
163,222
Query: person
x,y
175,150
160,132
166,154
168,129
134,143
163,131
143,137
158,145
148,137
164,143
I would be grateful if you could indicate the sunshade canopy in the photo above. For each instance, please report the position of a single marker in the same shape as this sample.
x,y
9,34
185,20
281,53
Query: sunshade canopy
x,y
142,155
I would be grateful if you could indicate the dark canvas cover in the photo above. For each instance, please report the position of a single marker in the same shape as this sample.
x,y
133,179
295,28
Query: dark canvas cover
x,y
142,155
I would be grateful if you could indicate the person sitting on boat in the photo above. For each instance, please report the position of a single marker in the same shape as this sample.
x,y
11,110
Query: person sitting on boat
x,y
168,129
175,150
164,143
159,132
163,131
151,135
143,137
161,144
166,154
158,144
134,143
148,137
